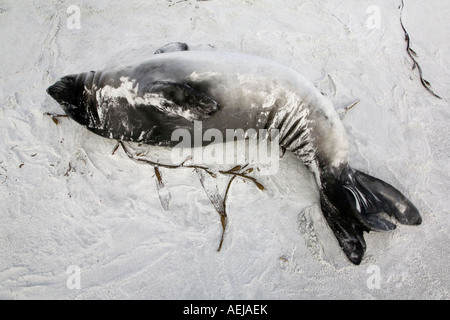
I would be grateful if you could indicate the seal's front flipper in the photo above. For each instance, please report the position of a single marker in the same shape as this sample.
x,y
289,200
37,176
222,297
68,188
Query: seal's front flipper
x,y
178,99
173,47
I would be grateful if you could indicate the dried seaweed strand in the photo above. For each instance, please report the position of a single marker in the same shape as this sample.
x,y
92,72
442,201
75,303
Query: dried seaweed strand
x,y
237,171
243,175
412,54
158,176
159,164
223,215
182,165
55,117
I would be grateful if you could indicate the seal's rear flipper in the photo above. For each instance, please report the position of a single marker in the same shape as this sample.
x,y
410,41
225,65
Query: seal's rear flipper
x,y
358,202
347,231
392,201
173,47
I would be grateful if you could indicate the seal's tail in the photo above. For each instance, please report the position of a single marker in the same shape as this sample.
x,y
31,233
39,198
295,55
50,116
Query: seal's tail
x,y
357,202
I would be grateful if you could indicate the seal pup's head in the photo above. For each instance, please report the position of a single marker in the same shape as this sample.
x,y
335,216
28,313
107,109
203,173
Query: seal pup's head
x,y
69,94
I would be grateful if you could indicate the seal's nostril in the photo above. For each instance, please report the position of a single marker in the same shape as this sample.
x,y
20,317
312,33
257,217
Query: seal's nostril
x,y
51,90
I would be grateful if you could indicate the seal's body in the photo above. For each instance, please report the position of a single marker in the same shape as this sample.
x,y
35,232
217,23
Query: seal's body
x,y
148,100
